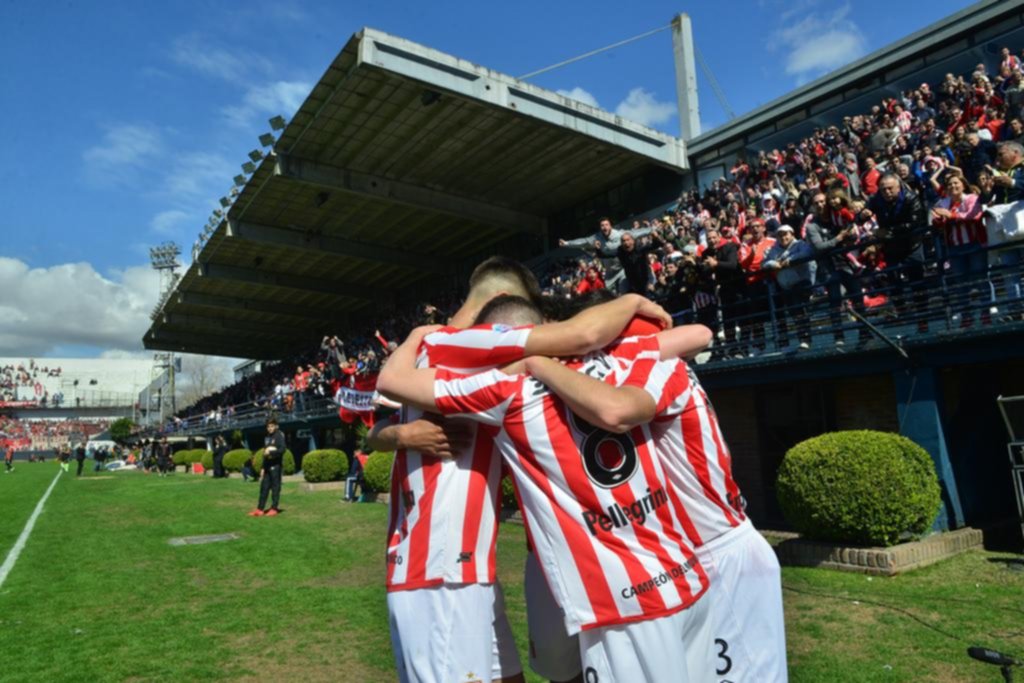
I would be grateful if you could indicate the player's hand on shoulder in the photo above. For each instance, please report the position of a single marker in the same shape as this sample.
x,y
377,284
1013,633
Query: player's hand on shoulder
x,y
649,309
436,436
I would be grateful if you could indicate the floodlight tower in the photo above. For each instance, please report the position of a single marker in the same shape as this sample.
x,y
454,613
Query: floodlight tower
x,y
164,258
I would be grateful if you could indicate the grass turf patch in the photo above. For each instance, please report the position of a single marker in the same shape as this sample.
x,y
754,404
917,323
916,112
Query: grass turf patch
x,y
99,595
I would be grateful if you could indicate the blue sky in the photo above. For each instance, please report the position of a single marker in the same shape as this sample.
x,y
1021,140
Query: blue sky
x,y
127,120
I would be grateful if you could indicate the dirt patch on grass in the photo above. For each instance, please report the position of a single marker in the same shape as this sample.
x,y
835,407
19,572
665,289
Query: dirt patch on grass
x,y
355,577
318,654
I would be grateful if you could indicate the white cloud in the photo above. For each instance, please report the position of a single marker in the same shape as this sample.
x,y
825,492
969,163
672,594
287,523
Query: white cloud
x,y
278,97
819,43
643,107
123,151
580,95
201,54
199,176
73,304
167,223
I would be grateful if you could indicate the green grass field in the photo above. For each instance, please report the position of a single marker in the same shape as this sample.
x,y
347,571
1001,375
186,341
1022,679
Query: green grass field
x,y
99,595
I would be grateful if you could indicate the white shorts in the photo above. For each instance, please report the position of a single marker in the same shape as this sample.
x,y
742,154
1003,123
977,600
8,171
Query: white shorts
x,y
745,597
671,649
452,634
553,653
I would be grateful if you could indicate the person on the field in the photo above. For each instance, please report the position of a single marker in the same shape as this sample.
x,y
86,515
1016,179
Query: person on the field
x,y
164,461
220,447
9,459
273,457
80,457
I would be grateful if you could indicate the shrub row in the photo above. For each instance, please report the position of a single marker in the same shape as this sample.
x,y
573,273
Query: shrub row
x,y
377,471
191,457
324,465
288,462
233,460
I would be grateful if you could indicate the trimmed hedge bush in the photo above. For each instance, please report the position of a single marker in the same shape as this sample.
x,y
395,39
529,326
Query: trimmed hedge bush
x,y
233,460
288,462
195,456
324,465
508,495
863,487
207,460
180,458
377,471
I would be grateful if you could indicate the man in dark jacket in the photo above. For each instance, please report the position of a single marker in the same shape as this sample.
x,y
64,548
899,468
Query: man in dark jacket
x,y
635,265
80,457
835,271
902,223
273,456
721,259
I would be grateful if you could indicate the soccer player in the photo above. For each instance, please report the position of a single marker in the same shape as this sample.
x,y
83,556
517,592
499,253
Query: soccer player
x,y
598,509
9,459
746,588
443,522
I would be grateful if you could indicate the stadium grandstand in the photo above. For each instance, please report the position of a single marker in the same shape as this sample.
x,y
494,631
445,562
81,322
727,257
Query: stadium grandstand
x,y
49,402
900,308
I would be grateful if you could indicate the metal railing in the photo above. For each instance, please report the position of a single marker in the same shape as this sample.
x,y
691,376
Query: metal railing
x,y
902,301
253,414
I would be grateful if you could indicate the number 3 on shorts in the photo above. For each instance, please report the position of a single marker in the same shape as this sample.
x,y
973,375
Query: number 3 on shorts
x,y
726,660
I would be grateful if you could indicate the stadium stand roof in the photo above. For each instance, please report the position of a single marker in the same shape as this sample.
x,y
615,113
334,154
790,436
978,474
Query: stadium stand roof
x,y
952,44
403,167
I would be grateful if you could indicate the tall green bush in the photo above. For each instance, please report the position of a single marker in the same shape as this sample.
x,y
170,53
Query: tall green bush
x,y
863,487
206,459
288,462
508,495
180,458
377,471
324,465
233,460
194,456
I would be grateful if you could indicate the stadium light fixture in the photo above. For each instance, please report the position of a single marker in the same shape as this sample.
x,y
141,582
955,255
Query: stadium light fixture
x,y
249,167
277,123
234,192
239,180
225,202
256,155
218,213
267,139
164,256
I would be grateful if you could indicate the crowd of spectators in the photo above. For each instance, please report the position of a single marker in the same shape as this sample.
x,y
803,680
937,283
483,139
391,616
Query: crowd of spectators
x,y
858,213
47,433
29,376
316,374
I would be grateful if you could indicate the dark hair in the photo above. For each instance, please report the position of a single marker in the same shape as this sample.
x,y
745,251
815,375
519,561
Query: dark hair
x,y
271,421
504,266
590,299
510,310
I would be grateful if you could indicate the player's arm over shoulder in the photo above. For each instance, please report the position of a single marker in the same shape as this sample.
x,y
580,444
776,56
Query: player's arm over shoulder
x,y
613,409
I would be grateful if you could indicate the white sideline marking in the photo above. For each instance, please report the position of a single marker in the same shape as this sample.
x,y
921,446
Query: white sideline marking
x,y
19,545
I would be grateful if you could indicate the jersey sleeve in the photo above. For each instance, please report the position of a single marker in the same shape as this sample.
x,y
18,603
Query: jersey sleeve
x,y
667,382
477,348
483,397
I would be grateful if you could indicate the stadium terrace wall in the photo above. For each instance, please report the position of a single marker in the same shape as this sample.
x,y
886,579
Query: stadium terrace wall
x,y
763,420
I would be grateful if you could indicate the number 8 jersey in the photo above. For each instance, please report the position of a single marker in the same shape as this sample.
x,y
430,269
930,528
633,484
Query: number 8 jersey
x,y
599,510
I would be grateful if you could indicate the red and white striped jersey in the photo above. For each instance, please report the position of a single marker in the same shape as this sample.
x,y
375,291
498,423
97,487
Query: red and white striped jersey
x,y
443,523
599,510
689,443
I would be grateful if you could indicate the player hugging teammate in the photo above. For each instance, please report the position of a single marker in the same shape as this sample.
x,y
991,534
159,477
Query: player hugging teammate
x,y
643,566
